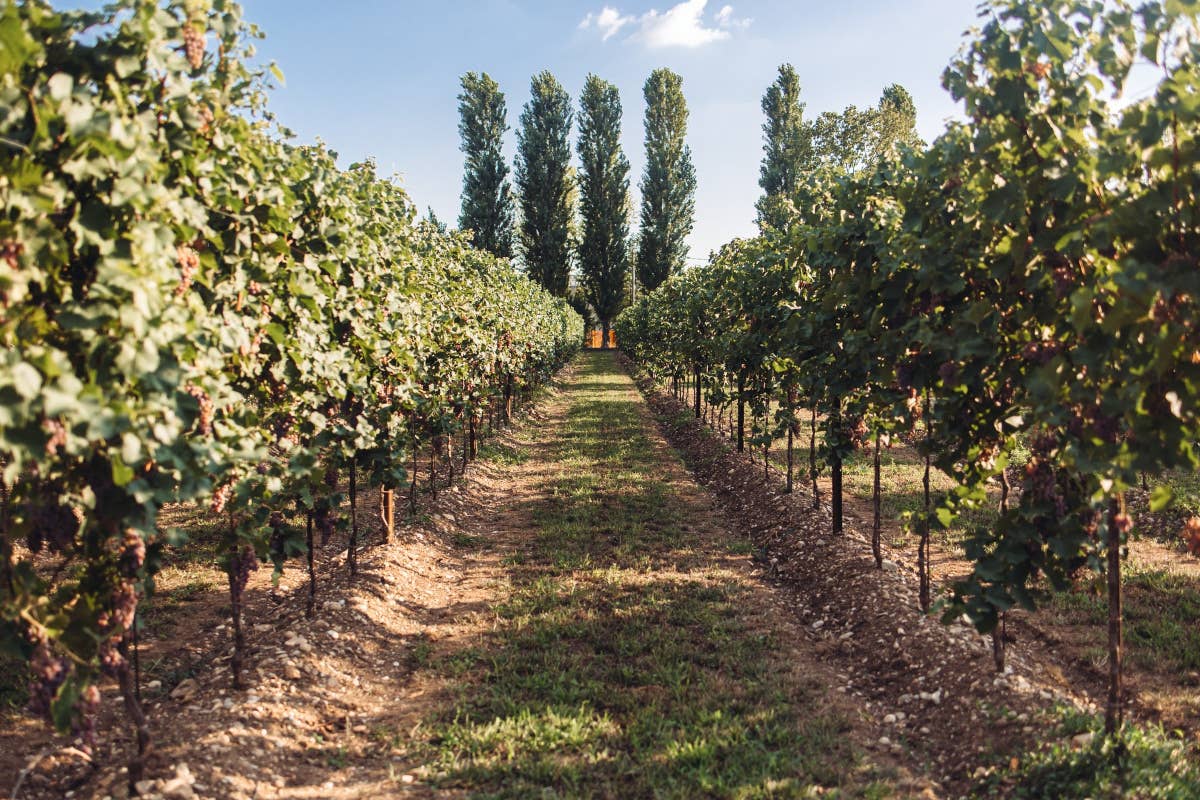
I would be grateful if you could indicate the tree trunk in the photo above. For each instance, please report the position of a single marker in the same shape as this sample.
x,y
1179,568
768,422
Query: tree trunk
x,y
387,502
1001,630
605,326
133,709
923,546
790,455
835,465
326,512
696,376
1113,710
474,444
741,413
236,588
768,432
998,641
433,449
352,548
877,523
311,606
812,457
508,397
412,486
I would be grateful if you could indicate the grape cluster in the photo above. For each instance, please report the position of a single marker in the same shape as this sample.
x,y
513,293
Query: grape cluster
x,y
220,498
189,265
48,673
206,118
51,522
1039,352
1065,280
57,433
241,564
11,252
133,554
1191,535
193,43
206,407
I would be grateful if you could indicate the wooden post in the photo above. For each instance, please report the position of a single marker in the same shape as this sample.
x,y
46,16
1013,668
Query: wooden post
x,y
835,462
310,607
812,456
1114,710
923,546
877,524
387,501
352,548
741,413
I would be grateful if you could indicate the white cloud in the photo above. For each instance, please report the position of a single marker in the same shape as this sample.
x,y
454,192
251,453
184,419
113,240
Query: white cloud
x,y
608,22
726,20
681,25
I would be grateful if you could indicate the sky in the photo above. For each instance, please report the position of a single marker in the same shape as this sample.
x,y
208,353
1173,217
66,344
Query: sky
x,y
380,78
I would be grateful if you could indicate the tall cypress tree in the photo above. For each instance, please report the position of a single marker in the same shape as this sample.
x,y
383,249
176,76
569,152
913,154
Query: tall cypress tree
x,y
546,183
787,148
604,196
668,182
487,203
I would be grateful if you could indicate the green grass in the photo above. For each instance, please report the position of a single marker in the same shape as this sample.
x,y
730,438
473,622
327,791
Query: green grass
x,y
623,663
1144,763
502,452
1162,618
1185,484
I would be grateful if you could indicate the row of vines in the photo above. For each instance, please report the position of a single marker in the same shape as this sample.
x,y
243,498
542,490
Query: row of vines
x,y
1029,280
195,310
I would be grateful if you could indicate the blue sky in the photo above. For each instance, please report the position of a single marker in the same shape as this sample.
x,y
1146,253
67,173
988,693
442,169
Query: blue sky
x,y
380,77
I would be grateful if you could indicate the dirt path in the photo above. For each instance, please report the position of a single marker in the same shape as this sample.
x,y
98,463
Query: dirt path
x,y
626,650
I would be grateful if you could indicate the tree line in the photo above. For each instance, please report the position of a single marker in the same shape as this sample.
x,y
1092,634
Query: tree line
x,y
560,216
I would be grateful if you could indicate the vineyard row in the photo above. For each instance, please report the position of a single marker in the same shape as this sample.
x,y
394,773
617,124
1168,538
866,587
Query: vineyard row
x,y
193,309
1030,279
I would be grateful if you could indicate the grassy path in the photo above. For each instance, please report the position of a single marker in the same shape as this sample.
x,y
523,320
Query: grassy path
x,y
628,651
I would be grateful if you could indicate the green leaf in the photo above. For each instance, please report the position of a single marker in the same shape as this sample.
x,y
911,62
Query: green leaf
x,y
26,380
122,474
1161,496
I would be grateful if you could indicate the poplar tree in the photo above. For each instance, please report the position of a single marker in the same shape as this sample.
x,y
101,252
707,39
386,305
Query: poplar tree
x,y
487,203
604,200
787,148
546,184
668,182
